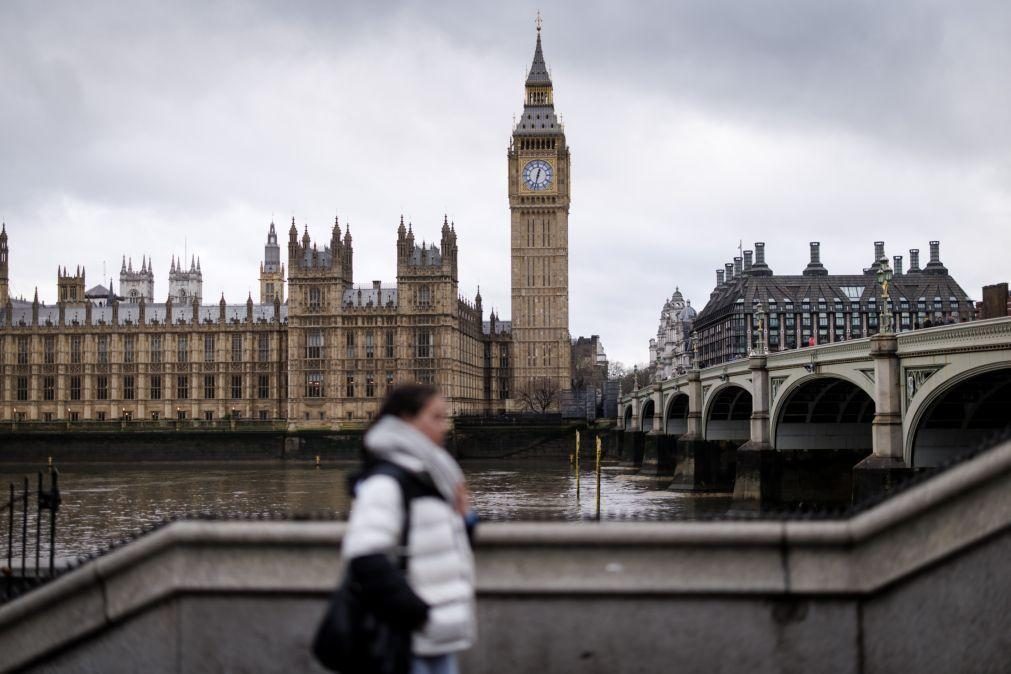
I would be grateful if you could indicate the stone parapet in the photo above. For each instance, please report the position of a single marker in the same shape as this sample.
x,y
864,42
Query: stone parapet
x,y
805,595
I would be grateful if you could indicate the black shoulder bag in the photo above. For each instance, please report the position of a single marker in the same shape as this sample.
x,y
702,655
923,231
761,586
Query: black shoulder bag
x,y
351,638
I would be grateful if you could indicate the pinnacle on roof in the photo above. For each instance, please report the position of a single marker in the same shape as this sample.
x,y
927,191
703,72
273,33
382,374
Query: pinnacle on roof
x,y
538,70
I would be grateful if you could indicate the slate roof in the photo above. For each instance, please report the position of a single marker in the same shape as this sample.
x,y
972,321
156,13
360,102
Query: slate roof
x,y
538,69
129,314
370,297
862,288
501,327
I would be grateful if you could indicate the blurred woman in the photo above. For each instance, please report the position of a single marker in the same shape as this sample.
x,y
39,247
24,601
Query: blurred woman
x,y
410,480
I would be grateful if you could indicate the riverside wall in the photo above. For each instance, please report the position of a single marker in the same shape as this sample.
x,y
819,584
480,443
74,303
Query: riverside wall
x,y
916,584
171,444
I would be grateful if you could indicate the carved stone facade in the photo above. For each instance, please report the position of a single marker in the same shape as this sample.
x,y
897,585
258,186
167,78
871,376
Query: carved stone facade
x,y
671,351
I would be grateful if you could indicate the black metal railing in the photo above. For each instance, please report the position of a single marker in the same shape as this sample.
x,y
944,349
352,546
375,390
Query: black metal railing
x,y
17,580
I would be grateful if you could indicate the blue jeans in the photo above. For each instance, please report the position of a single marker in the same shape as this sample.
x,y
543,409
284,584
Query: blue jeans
x,y
434,664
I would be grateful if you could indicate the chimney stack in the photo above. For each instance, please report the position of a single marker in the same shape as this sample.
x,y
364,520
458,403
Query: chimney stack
x,y
747,260
738,266
729,276
914,260
897,267
759,268
935,266
879,251
815,267
719,278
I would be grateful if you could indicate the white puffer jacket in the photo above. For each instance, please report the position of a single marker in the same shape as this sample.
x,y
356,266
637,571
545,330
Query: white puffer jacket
x,y
440,563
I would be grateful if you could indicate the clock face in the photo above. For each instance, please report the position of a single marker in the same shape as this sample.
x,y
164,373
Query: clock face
x,y
537,174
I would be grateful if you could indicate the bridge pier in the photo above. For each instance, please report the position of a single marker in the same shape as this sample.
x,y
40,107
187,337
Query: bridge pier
x,y
885,467
700,464
757,466
658,456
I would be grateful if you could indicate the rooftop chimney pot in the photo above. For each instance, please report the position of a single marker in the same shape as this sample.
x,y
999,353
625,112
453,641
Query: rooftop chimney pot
x,y
897,267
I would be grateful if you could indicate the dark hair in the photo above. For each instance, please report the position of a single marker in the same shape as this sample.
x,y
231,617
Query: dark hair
x,y
407,401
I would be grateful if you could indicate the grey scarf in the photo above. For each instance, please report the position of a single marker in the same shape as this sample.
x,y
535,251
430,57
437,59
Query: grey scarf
x,y
393,439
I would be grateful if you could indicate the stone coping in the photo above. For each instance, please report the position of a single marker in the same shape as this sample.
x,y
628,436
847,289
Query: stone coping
x,y
859,556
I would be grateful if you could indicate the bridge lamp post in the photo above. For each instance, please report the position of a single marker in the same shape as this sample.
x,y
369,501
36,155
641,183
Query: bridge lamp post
x,y
884,279
759,349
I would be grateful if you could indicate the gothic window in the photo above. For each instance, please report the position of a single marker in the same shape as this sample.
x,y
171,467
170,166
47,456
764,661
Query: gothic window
x,y
208,348
313,384
22,388
370,347
349,343
264,348
424,343
263,387
182,349
103,349
236,348
75,349
182,387
389,381
389,344
128,342
156,387
49,350
102,388
236,386
314,344
209,386
315,298
370,385
424,296
49,388
75,388
156,354
128,387
350,386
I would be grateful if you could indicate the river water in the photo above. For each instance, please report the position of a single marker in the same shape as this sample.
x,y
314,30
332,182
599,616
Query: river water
x,y
104,502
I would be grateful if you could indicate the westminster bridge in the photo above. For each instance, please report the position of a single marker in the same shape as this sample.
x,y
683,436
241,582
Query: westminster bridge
x,y
825,422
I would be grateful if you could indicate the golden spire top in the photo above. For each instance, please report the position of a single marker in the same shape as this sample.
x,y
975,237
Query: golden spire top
x,y
538,21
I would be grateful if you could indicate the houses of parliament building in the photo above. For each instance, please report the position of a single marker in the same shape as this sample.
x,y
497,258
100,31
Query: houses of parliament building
x,y
317,349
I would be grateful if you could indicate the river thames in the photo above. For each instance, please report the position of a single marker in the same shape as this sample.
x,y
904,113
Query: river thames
x,y
104,502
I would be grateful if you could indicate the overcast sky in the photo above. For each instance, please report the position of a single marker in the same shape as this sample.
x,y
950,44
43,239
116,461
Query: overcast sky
x,y
149,127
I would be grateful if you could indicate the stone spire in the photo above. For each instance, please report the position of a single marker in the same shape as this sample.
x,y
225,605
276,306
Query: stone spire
x,y
538,69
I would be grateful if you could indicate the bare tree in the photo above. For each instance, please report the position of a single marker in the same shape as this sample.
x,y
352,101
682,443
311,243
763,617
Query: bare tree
x,y
540,395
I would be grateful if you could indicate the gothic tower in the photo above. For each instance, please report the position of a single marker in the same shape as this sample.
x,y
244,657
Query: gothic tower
x,y
539,202
271,270
137,285
4,269
70,287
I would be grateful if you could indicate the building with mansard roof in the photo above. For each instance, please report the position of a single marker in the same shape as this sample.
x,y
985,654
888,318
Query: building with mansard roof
x,y
816,307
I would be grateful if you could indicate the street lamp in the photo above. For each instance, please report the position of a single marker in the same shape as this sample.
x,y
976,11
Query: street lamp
x,y
884,279
759,349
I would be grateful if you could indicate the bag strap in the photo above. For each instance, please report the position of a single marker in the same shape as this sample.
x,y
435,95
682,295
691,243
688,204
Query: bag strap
x,y
412,486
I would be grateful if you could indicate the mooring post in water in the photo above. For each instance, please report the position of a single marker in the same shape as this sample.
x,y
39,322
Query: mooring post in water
x,y
38,523
577,465
10,532
54,506
24,530
598,478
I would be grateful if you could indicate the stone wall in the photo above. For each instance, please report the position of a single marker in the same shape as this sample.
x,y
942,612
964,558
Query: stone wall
x,y
918,583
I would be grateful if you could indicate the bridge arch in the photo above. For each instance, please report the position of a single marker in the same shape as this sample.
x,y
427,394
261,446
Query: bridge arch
x,y
676,414
627,416
727,413
823,412
959,414
646,416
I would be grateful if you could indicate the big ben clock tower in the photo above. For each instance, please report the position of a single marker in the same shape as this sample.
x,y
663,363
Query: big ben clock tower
x,y
539,203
